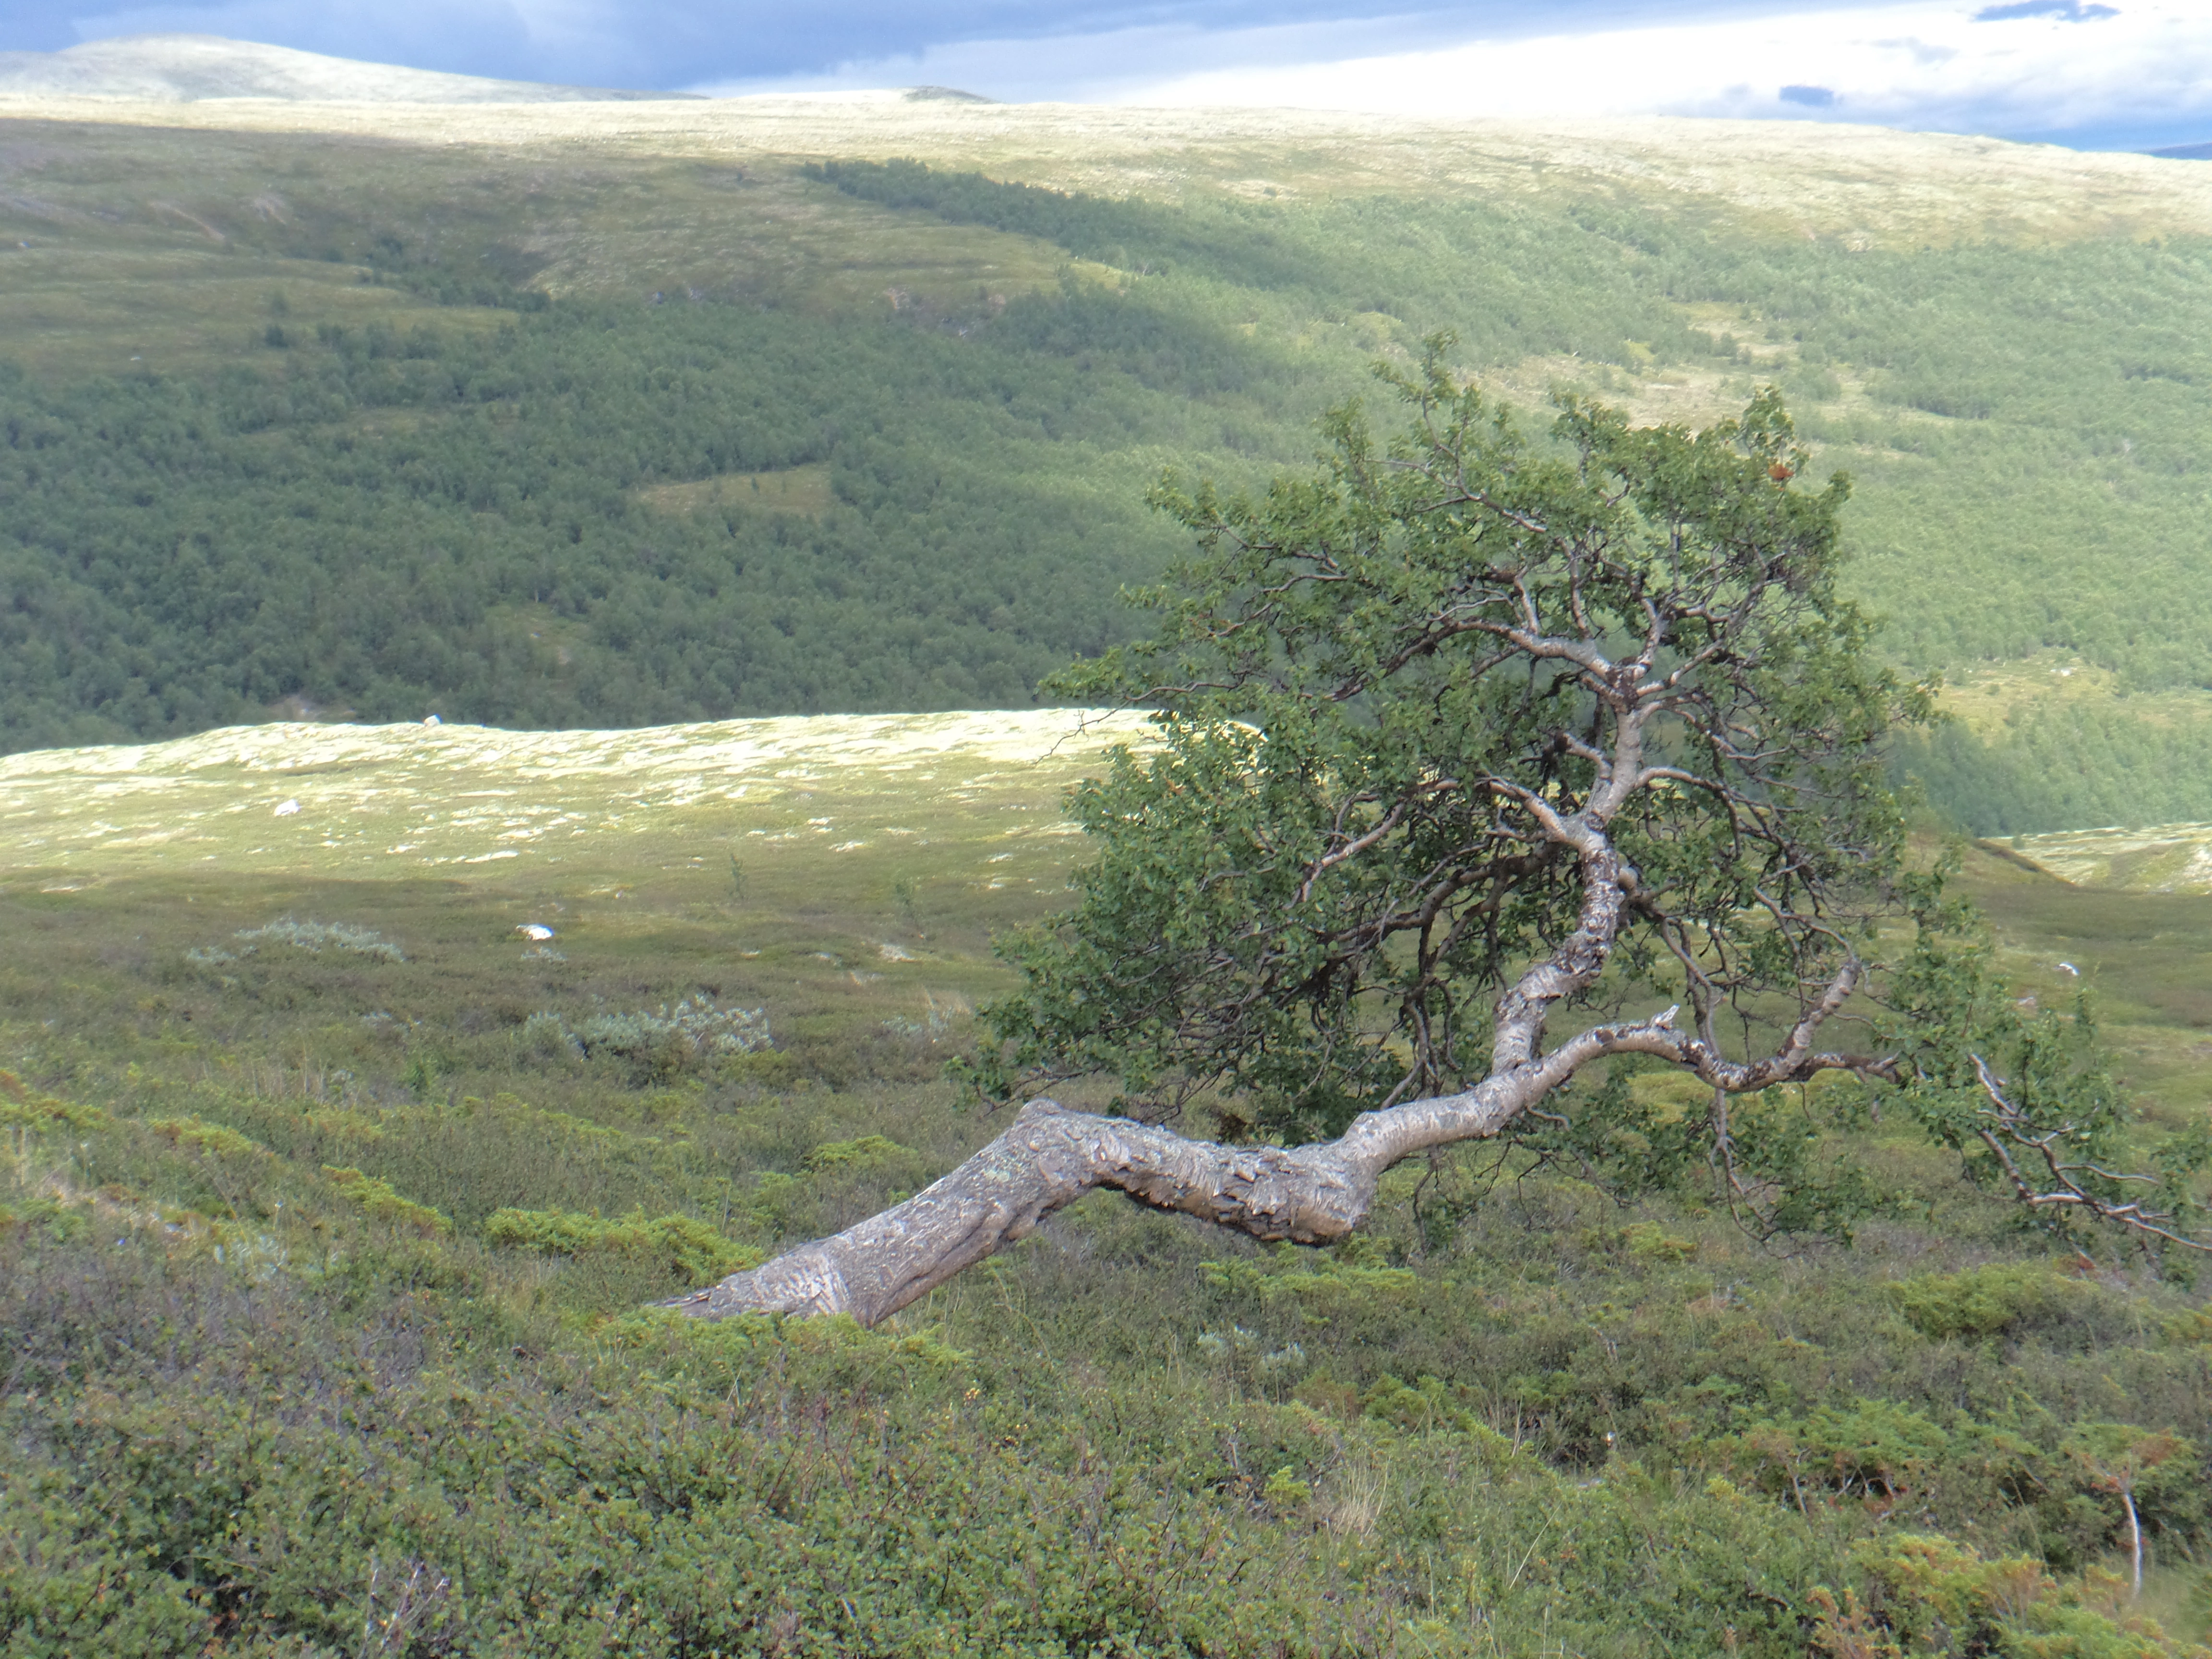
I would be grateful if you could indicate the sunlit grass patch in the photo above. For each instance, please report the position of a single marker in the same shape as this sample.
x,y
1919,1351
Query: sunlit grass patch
x,y
803,490
84,309
2159,858
675,897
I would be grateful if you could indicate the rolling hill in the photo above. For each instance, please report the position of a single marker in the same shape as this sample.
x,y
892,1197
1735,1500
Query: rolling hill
x,y
638,412
723,475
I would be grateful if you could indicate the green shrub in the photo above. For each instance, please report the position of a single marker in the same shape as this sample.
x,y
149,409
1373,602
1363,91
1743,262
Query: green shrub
x,y
1870,1451
1939,1595
657,1043
685,1247
23,1108
190,1133
2001,1300
868,1152
378,1201
49,1217
314,936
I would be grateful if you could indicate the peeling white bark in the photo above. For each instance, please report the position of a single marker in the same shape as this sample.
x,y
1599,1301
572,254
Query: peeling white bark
x,y
2135,1539
1311,1194
1050,1158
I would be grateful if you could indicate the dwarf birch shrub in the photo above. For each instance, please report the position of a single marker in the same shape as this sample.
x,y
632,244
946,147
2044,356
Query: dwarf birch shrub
x,y
655,1043
188,1133
2004,1299
381,1201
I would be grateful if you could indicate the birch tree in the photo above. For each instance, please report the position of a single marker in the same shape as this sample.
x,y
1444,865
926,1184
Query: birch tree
x,y
1486,762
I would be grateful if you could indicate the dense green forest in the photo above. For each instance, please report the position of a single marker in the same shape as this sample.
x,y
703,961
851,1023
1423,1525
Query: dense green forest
x,y
187,554
489,523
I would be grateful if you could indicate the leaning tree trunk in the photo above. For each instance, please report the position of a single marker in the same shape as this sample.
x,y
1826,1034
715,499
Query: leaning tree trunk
x,y
1048,1159
1051,1156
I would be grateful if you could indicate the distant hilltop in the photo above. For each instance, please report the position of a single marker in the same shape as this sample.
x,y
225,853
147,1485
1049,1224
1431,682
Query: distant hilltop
x,y
185,69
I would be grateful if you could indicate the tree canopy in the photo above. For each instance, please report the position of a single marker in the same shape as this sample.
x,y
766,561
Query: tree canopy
x,y
1461,703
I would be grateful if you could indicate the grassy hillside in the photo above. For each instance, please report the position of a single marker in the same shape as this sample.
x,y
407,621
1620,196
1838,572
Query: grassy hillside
x,y
646,413
332,1195
845,873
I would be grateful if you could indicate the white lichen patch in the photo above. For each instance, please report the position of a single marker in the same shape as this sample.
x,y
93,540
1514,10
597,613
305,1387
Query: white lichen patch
x,y
370,799
2164,858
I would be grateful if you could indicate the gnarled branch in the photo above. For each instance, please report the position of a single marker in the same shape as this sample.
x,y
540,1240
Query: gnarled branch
x,y
2005,1130
1310,1195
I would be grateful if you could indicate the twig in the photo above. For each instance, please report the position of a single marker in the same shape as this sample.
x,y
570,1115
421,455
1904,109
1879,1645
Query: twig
x,y
2007,1123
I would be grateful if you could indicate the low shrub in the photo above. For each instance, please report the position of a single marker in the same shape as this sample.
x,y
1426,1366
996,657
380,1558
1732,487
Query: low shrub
x,y
310,936
378,1199
686,1248
2004,1299
188,1133
656,1043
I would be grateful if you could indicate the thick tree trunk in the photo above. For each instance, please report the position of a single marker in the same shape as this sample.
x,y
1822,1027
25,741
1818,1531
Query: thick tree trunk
x,y
1051,1156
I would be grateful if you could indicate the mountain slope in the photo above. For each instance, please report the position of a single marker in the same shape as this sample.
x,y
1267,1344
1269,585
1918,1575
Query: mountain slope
x,y
594,414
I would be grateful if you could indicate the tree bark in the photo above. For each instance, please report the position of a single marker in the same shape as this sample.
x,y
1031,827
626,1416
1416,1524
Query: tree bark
x,y
1050,1158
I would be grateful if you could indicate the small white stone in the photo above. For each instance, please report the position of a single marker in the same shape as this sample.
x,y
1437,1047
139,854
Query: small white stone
x,y
286,809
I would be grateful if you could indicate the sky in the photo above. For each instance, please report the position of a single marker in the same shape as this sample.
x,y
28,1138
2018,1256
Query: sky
x,y
2092,74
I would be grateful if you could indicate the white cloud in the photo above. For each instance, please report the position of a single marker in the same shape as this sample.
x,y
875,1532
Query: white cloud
x,y
2094,70
1924,65
581,40
1107,66
1927,65
2138,63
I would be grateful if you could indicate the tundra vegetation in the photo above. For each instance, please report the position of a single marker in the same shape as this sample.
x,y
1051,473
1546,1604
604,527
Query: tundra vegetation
x,y
334,1200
